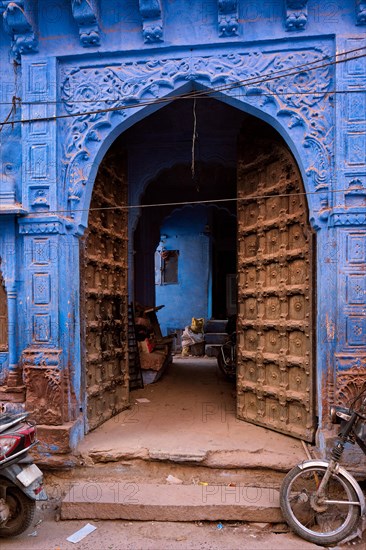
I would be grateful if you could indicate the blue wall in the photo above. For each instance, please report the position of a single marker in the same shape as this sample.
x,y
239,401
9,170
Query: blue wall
x,y
189,298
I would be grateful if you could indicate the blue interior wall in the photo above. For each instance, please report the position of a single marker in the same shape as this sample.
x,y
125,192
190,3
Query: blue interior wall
x,y
184,231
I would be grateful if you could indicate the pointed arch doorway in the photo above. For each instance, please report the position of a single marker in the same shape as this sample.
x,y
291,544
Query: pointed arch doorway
x,y
275,384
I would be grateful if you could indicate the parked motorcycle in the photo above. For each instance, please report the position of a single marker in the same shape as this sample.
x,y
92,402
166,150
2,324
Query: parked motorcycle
x,y
320,500
21,481
226,358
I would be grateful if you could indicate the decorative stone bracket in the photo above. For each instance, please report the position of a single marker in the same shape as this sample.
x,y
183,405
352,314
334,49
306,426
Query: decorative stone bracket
x,y
228,17
85,13
152,24
360,12
19,24
296,15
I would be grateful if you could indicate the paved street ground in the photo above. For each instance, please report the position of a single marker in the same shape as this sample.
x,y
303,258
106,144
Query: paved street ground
x,y
122,535
50,534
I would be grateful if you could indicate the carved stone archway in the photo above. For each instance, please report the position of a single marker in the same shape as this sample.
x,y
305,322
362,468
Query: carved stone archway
x,y
242,79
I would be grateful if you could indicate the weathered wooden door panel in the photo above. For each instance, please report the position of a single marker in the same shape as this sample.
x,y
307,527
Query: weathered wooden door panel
x,y
104,295
275,287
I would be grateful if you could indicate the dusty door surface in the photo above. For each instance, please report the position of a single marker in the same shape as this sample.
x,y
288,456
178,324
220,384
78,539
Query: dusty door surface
x,y
104,301
275,289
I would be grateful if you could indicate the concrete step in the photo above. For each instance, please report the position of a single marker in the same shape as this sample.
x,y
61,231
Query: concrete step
x,y
163,502
217,338
215,325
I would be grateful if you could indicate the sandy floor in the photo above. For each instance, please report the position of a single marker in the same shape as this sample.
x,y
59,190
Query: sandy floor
x,y
189,415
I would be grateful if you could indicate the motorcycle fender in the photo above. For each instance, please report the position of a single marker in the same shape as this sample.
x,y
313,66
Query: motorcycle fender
x,y
11,474
345,474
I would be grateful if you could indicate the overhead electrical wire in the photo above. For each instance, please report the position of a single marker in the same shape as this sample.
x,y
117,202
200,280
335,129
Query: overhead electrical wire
x,y
314,65
195,202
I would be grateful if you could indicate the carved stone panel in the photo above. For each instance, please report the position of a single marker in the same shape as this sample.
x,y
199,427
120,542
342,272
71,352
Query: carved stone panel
x,y
46,385
275,328
104,295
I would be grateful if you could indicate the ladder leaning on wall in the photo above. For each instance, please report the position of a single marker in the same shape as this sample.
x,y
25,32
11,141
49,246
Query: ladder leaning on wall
x,y
134,364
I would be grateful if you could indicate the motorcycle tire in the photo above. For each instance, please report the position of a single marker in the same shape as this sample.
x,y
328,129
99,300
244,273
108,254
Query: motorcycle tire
x,y
226,366
320,523
22,510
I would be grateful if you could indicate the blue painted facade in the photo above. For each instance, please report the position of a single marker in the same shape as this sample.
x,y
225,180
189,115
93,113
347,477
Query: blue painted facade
x,y
78,74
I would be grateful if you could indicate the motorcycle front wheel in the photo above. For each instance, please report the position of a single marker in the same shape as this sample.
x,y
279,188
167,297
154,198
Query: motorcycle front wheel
x,y
226,360
324,521
21,512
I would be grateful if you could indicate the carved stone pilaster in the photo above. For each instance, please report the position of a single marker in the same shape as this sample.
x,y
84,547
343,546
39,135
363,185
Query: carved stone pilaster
x,y
152,24
85,13
360,12
228,17
45,385
296,15
18,23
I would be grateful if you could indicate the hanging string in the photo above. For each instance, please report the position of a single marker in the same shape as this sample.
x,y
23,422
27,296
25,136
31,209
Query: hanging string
x,y
194,136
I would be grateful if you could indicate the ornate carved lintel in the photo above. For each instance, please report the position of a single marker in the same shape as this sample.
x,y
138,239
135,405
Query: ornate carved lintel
x,y
228,17
44,382
85,13
360,12
19,25
296,15
152,24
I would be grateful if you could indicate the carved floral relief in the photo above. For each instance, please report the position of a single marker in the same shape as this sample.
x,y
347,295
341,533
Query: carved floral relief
x,y
100,96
